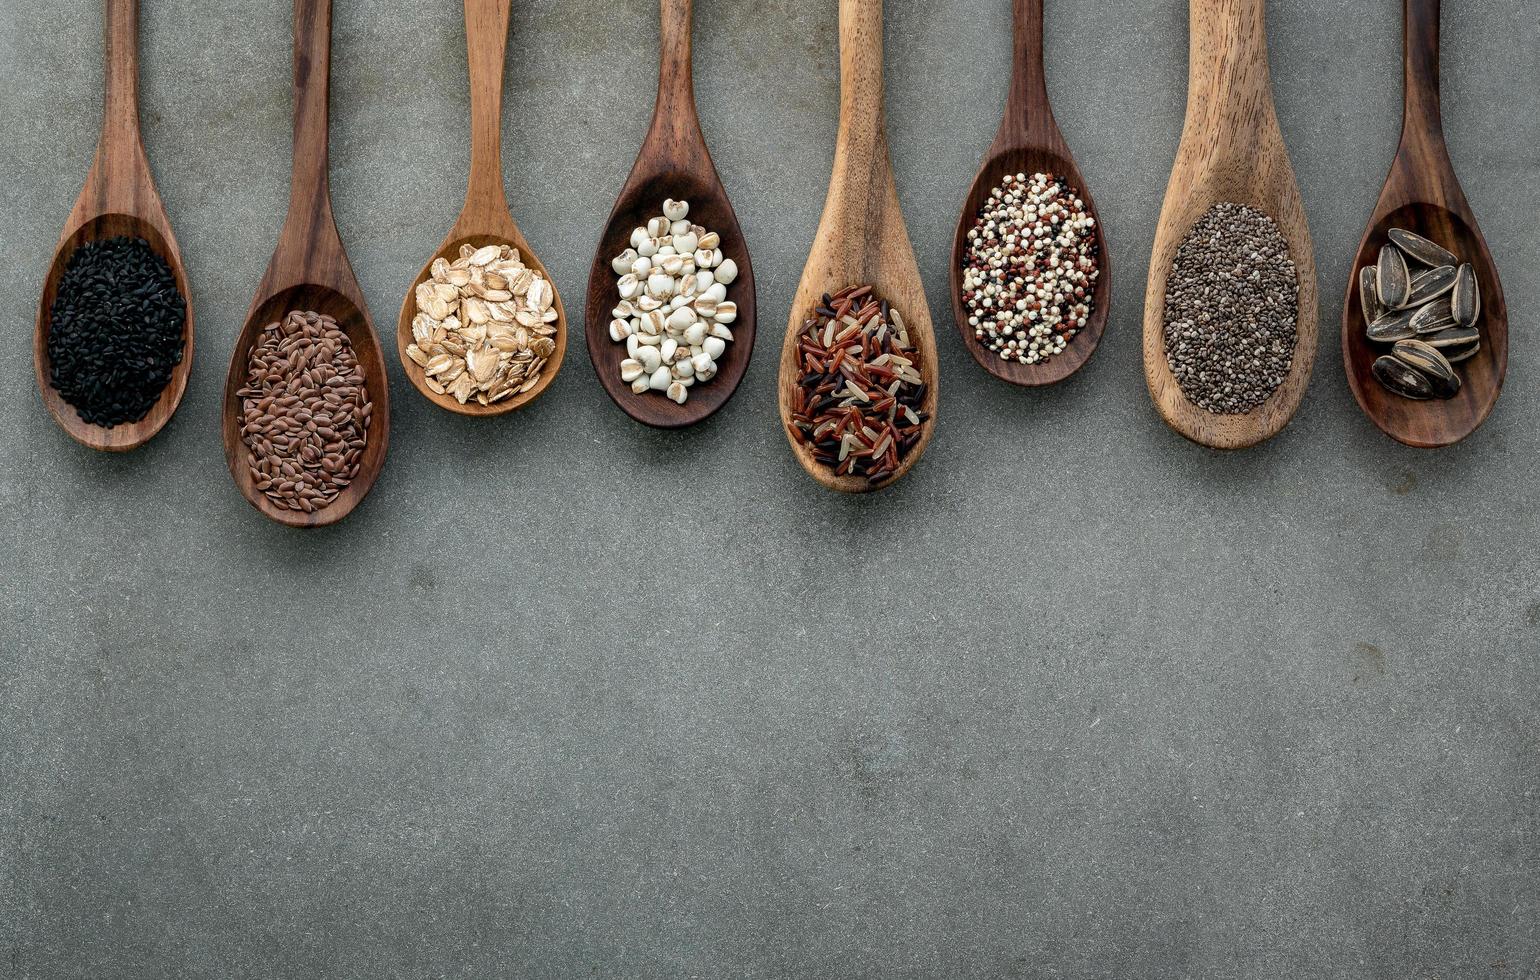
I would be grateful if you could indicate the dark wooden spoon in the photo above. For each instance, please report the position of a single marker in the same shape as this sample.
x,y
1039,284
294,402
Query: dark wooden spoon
x,y
1232,150
1029,142
1423,195
674,163
485,219
861,239
118,199
310,271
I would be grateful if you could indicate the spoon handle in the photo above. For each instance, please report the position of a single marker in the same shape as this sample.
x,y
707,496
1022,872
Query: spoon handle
x,y
486,38
674,113
1027,106
121,116
1228,82
861,150
310,185
1422,117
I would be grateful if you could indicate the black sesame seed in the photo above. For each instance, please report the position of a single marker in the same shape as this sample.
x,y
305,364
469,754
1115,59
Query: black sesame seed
x,y
115,334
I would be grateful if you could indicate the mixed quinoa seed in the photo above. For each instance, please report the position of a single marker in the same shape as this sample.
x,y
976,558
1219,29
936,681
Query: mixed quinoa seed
x,y
1031,268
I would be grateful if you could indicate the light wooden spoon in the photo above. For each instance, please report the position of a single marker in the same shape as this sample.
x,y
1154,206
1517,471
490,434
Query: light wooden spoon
x,y
1423,195
1029,142
1232,150
673,163
118,199
485,218
861,238
310,271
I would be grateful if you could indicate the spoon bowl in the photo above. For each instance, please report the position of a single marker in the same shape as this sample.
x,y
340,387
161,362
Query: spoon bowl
x,y
1026,160
354,321
905,296
710,208
129,435
485,218
310,272
1232,150
1423,195
674,162
118,200
861,239
450,251
1029,142
1435,423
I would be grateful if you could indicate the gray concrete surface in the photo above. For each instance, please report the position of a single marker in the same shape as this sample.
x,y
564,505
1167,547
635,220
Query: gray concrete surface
x,y
569,698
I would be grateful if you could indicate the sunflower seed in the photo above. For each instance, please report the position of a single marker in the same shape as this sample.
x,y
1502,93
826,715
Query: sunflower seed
x,y
1431,285
1402,380
1465,303
1433,326
1369,294
1392,325
1463,352
1431,363
1433,317
1453,336
1419,248
1395,279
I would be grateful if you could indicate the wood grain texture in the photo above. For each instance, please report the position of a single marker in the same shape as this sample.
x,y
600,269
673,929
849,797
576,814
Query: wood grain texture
x,y
674,162
119,198
485,219
310,271
1423,195
1029,141
1232,150
861,239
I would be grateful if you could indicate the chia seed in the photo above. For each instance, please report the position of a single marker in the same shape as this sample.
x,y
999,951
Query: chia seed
x,y
1232,310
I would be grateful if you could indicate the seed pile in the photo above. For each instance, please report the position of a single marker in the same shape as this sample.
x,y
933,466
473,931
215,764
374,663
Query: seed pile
x,y
674,313
1429,318
484,325
1029,276
115,334
304,412
859,393
1232,310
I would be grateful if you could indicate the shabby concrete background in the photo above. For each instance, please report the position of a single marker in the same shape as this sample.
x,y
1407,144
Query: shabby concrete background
x,y
570,698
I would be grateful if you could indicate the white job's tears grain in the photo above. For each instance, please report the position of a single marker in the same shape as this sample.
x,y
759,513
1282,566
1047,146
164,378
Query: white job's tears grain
x,y
674,315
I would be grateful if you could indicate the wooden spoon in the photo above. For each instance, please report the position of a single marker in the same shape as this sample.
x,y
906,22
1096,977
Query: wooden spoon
x,y
673,163
485,219
861,238
119,198
1423,195
1029,142
1232,150
310,271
